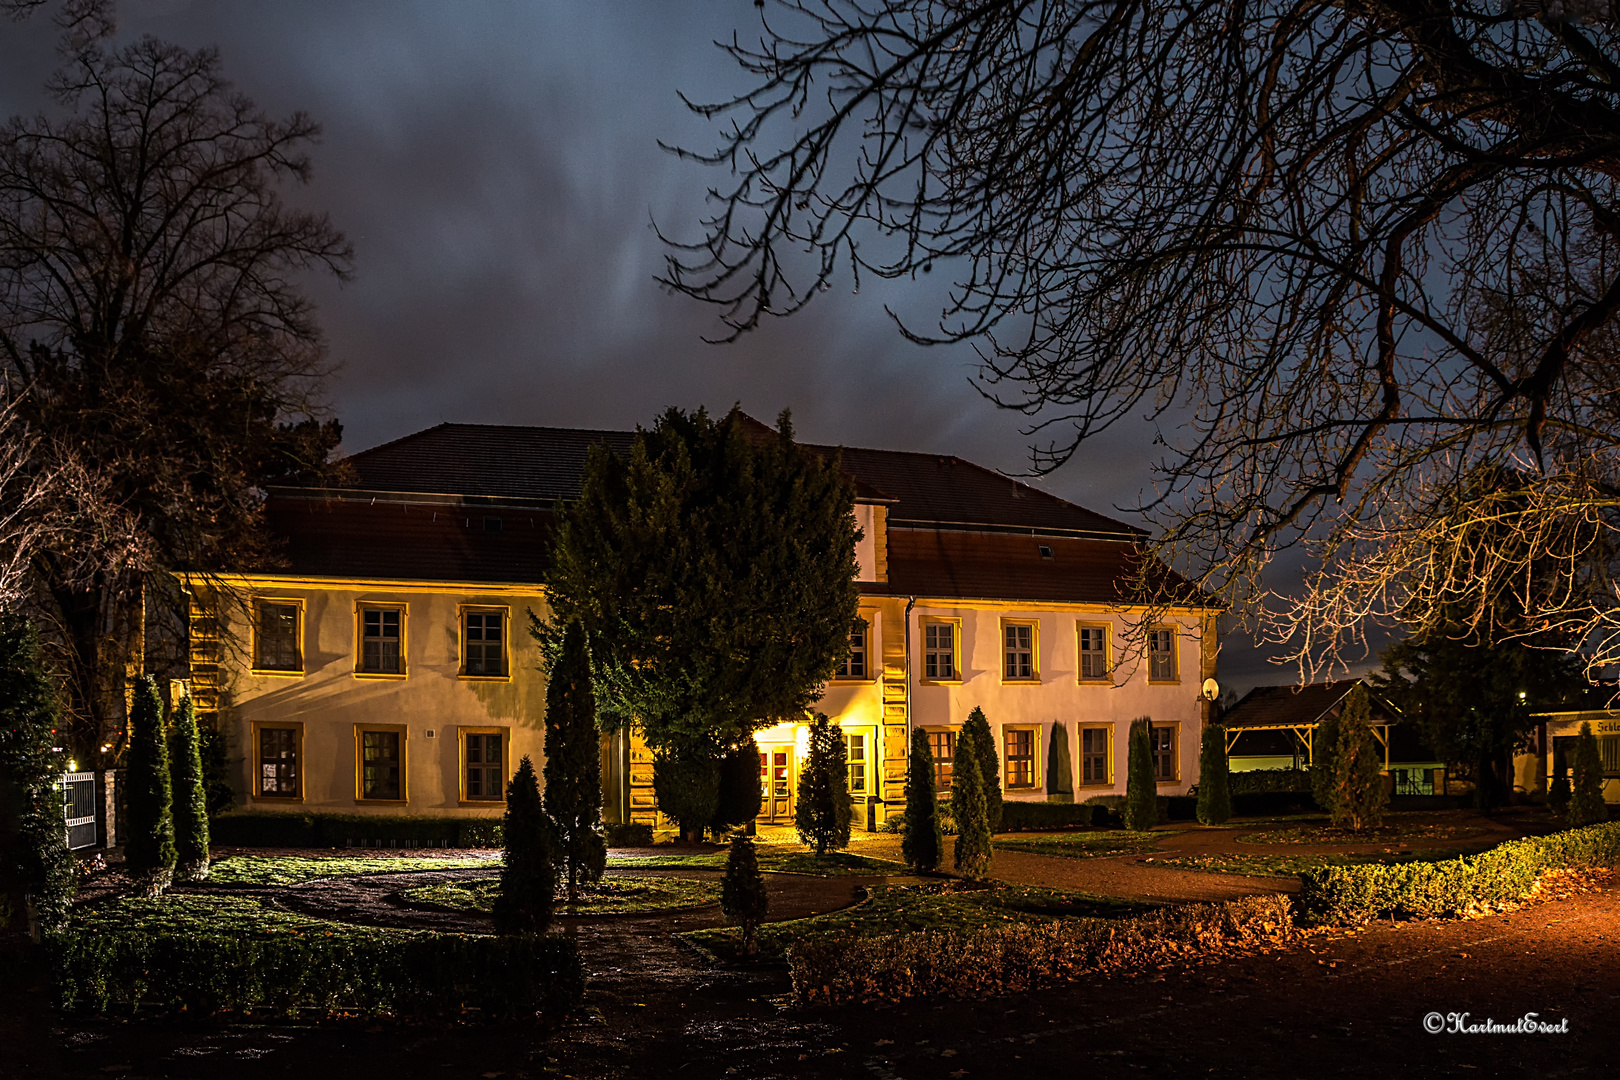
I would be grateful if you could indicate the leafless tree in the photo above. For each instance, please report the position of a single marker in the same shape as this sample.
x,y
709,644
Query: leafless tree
x,y
1349,256
153,330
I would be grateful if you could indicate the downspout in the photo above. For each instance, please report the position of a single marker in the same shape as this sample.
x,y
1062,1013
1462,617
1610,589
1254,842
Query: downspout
x,y
911,601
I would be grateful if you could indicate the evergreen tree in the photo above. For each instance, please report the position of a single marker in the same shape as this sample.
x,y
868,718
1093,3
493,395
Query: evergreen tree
x,y
528,875
1586,805
922,844
37,871
1059,766
573,768
1350,786
1141,787
740,796
969,808
989,763
742,893
149,854
1214,777
190,799
1558,794
823,810
687,787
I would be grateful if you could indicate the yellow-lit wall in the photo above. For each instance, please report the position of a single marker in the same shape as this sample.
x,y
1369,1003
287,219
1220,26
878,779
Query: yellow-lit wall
x,y
433,702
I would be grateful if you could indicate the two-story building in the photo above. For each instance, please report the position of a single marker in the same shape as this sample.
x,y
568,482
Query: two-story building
x,y
387,666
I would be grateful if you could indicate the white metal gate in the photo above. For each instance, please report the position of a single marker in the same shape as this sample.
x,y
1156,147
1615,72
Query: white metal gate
x,y
79,807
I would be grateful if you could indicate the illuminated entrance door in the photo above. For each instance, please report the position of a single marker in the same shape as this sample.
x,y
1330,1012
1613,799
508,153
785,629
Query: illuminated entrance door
x,y
776,781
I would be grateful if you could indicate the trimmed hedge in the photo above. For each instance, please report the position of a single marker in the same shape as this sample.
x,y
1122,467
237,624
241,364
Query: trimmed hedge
x,y
1505,874
1043,816
342,830
628,835
1257,781
417,976
1014,959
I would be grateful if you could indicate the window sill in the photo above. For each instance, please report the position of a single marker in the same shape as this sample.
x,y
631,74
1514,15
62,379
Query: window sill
x,y
279,799
484,678
363,801
1095,682
939,682
475,803
1020,682
851,682
277,673
1164,682
378,675
1097,784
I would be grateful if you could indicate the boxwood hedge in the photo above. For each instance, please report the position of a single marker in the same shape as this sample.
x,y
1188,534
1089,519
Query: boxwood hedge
x,y
415,975
1505,874
346,830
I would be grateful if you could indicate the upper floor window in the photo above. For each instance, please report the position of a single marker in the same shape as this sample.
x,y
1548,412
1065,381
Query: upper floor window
x,y
1162,654
1164,753
278,638
1094,652
483,643
1020,757
855,753
939,651
856,664
1018,652
381,639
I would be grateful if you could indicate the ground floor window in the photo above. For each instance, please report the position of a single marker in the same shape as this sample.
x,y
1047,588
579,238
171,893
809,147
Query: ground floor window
x,y
1019,757
382,764
942,744
278,762
855,750
1414,781
484,768
1164,753
1094,755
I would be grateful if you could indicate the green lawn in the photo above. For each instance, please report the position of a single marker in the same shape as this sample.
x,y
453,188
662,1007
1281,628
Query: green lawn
x,y
292,869
610,896
951,905
1086,845
236,916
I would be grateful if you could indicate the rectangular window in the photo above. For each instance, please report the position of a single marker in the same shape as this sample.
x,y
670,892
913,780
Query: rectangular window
x,y
1164,753
942,744
381,640
855,748
485,766
1020,757
1094,653
382,765
855,664
1094,756
483,643
278,763
1018,652
1162,654
278,638
939,651
1609,754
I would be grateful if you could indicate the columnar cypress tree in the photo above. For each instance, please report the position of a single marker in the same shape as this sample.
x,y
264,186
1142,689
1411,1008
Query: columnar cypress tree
x,y
1353,782
149,854
921,842
528,878
740,795
969,808
1214,777
1558,794
1059,766
1141,788
37,872
190,797
742,893
822,812
573,769
989,763
1586,800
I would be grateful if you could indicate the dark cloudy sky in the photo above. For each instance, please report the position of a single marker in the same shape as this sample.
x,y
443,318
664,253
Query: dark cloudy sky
x,y
497,169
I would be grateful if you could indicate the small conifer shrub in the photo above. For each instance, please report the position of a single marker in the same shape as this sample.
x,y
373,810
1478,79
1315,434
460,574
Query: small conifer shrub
x,y
687,787
190,795
1214,777
969,809
823,811
37,871
922,844
1586,799
528,876
573,768
1141,787
989,763
742,893
149,854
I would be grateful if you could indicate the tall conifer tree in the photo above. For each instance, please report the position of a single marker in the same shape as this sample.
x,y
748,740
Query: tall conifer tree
x,y
989,760
1351,785
149,853
37,871
528,874
1214,777
922,844
822,812
190,799
573,769
1141,787
1586,805
1059,766
969,808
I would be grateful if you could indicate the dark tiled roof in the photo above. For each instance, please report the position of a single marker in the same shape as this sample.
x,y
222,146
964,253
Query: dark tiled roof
x,y
1007,566
350,539
529,464
1265,706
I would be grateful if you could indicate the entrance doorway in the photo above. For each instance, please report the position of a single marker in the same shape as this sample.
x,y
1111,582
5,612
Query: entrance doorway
x,y
776,781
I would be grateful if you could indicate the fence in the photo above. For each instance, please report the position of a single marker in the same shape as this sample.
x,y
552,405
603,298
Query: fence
x,y
79,807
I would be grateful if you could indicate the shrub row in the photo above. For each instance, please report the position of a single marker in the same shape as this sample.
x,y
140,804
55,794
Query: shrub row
x,y
1005,960
417,976
627,835
1505,874
342,830
1259,781
1025,816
